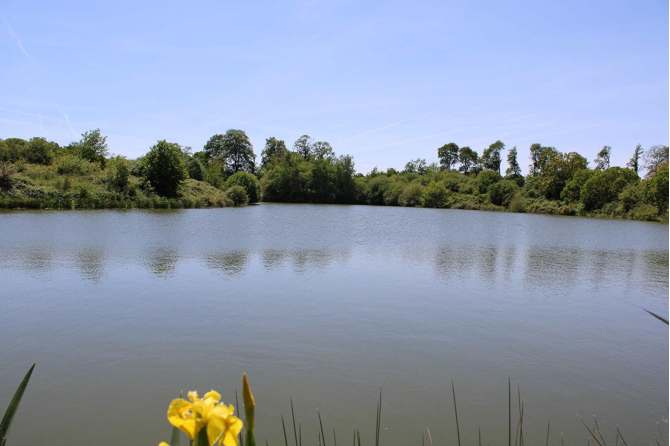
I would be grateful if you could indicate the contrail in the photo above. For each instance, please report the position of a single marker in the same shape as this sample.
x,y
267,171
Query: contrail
x,y
67,119
353,120
29,114
39,117
412,118
421,139
20,45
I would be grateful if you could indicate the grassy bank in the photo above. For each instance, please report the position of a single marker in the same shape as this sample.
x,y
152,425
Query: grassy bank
x,y
43,187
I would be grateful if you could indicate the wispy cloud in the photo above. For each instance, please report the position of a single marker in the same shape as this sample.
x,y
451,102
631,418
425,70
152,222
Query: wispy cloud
x,y
423,138
14,121
337,126
67,119
39,117
29,114
388,126
20,45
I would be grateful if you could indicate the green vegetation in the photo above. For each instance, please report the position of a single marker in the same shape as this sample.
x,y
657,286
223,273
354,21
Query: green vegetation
x,y
41,174
7,419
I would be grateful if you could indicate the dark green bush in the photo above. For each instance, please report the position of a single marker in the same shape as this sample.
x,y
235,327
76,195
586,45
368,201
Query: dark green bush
x,y
248,181
485,179
237,195
605,187
412,195
435,195
502,192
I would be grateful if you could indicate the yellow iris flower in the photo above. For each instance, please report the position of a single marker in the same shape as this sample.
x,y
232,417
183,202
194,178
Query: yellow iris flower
x,y
191,416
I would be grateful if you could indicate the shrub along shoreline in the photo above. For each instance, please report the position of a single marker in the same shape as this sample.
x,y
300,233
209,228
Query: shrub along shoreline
x,y
41,174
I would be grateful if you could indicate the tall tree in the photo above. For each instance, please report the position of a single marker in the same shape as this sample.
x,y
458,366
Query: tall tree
x,y
416,166
164,168
634,162
514,170
303,146
491,158
448,155
559,169
214,148
539,156
322,150
654,158
238,152
275,149
93,147
603,158
39,151
468,159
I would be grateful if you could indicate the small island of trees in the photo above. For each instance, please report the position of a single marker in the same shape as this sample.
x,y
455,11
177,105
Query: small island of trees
x,y
38,174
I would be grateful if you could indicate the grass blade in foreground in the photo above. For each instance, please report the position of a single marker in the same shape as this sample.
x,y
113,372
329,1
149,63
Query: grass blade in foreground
x,y
249,411
175,438
13,406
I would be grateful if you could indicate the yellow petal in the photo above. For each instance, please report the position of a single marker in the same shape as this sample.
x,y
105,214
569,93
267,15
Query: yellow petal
x,y
180,415
233,428
221,410
193,395
213,394
162,443
216,426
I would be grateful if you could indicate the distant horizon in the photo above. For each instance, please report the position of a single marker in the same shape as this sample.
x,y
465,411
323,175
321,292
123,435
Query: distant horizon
x,y
383,83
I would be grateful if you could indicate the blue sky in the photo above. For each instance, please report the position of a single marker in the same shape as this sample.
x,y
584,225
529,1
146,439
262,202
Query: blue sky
x,y
383,81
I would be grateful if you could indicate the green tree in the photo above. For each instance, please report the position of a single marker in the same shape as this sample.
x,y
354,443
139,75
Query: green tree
x,y
448,155
39,151
656,188
468,159
491,158
559,168
214,148
119,172
416,166
287,181
573,188
514,170
345,185
502,192
6,173
634,162
539,156
164,168
275,150
653,159
249,182
435,195
93,147
412,195
603,159
486,178
237,195
195,168
376,187
605,186
13,149
238,152
4,151
322,150
303,146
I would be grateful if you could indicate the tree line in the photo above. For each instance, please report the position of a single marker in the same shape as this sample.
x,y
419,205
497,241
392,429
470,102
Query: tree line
x,y
311,172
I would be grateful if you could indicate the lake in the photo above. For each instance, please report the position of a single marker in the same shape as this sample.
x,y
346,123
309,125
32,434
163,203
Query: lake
x,y
122,310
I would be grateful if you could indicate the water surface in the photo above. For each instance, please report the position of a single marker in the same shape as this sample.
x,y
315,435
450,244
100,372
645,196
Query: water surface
x,y
326,304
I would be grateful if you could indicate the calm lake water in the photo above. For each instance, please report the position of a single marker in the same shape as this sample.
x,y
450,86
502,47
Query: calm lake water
x,y
326,304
